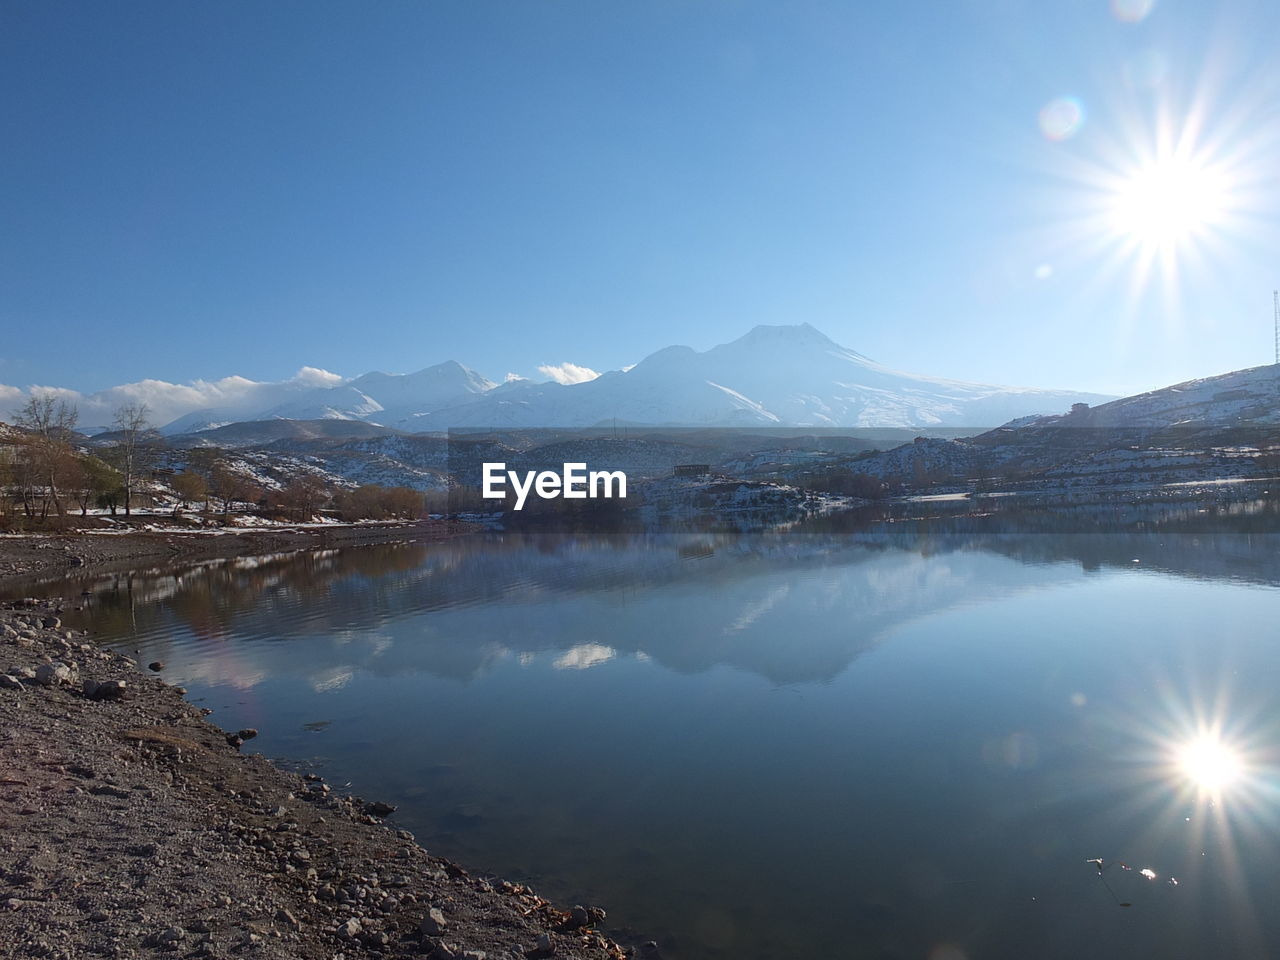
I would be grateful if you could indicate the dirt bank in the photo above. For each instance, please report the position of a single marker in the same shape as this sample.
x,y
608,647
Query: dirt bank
x,y
131,827
39,556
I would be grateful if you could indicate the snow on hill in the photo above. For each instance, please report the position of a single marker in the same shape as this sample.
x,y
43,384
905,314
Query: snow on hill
x,y
1243,397
256,433
210,418
386,399
346,402
774,375
1217,427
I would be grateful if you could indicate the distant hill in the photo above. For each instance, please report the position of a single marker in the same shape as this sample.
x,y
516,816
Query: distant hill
x,y
256,433
772,376
1213,428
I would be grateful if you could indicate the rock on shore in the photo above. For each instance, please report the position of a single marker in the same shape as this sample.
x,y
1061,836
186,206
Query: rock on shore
x,y
46,555
131,827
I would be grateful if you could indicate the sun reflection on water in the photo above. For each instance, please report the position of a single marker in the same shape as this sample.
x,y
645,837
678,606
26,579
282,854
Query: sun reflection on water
x,y
1210,764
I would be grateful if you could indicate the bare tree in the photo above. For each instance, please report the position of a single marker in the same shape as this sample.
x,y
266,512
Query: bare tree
x,y
189,487
49,416
228,486
42,468
8,493
51,421
132,424
304,495
373,502
98,485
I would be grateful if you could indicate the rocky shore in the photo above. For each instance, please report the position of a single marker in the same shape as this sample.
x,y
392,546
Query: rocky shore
x,y
132,827
37,555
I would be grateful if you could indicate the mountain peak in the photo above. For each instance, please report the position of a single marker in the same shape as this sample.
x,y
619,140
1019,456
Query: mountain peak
x,y
787,333
788,337
775,373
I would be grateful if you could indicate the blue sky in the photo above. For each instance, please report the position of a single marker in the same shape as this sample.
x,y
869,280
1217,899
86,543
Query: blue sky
x,y
201,189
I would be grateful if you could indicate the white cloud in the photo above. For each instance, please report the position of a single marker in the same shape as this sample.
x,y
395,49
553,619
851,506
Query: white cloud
x,y
169,401
584,656
335,678
512,378
567,372
315,377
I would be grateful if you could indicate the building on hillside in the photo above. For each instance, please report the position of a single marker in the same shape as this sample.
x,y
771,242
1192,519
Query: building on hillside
x,y
692,470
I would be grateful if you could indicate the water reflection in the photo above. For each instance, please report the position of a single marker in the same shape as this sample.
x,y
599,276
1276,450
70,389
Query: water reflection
x,y
883,737
1210,764
841,593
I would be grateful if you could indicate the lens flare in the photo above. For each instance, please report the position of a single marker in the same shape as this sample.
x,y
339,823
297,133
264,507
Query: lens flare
x,y
1131,11
1173,188
1061,118
1148,69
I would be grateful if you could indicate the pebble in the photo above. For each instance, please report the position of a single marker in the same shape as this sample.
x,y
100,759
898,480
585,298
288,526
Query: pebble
x,y
49,674
106,690
371,917
434,923
170,935
349,929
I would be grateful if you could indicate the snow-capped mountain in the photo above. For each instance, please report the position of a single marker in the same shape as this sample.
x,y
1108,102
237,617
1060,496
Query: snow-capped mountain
x,y
346,402
774,375
387,399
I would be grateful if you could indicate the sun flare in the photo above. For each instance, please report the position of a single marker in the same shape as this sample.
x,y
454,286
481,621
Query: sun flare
x,y
1168,201
1210,764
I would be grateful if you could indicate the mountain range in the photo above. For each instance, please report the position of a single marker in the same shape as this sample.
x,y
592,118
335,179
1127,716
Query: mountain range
x,y
773,376
1221,427
1215,428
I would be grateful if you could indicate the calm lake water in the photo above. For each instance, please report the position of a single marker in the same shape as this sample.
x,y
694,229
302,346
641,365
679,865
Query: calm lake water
x,y
904,742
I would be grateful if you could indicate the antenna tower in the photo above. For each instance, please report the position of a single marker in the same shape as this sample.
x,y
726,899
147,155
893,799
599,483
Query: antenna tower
x,y
1275,302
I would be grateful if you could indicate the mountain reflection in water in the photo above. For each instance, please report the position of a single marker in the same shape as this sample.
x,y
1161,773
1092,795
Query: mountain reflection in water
x,y
856,738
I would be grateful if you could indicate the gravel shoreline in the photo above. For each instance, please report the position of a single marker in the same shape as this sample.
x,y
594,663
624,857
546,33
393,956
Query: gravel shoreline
x,y
35,556
132,827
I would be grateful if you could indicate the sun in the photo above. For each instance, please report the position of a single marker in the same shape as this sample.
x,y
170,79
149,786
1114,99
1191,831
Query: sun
x,y
1169,201
1210,764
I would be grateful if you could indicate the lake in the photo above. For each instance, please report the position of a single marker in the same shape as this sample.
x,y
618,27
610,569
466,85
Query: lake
x,y
900,741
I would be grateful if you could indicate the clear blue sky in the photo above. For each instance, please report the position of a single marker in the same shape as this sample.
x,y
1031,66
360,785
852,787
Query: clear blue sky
x,y
201,189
